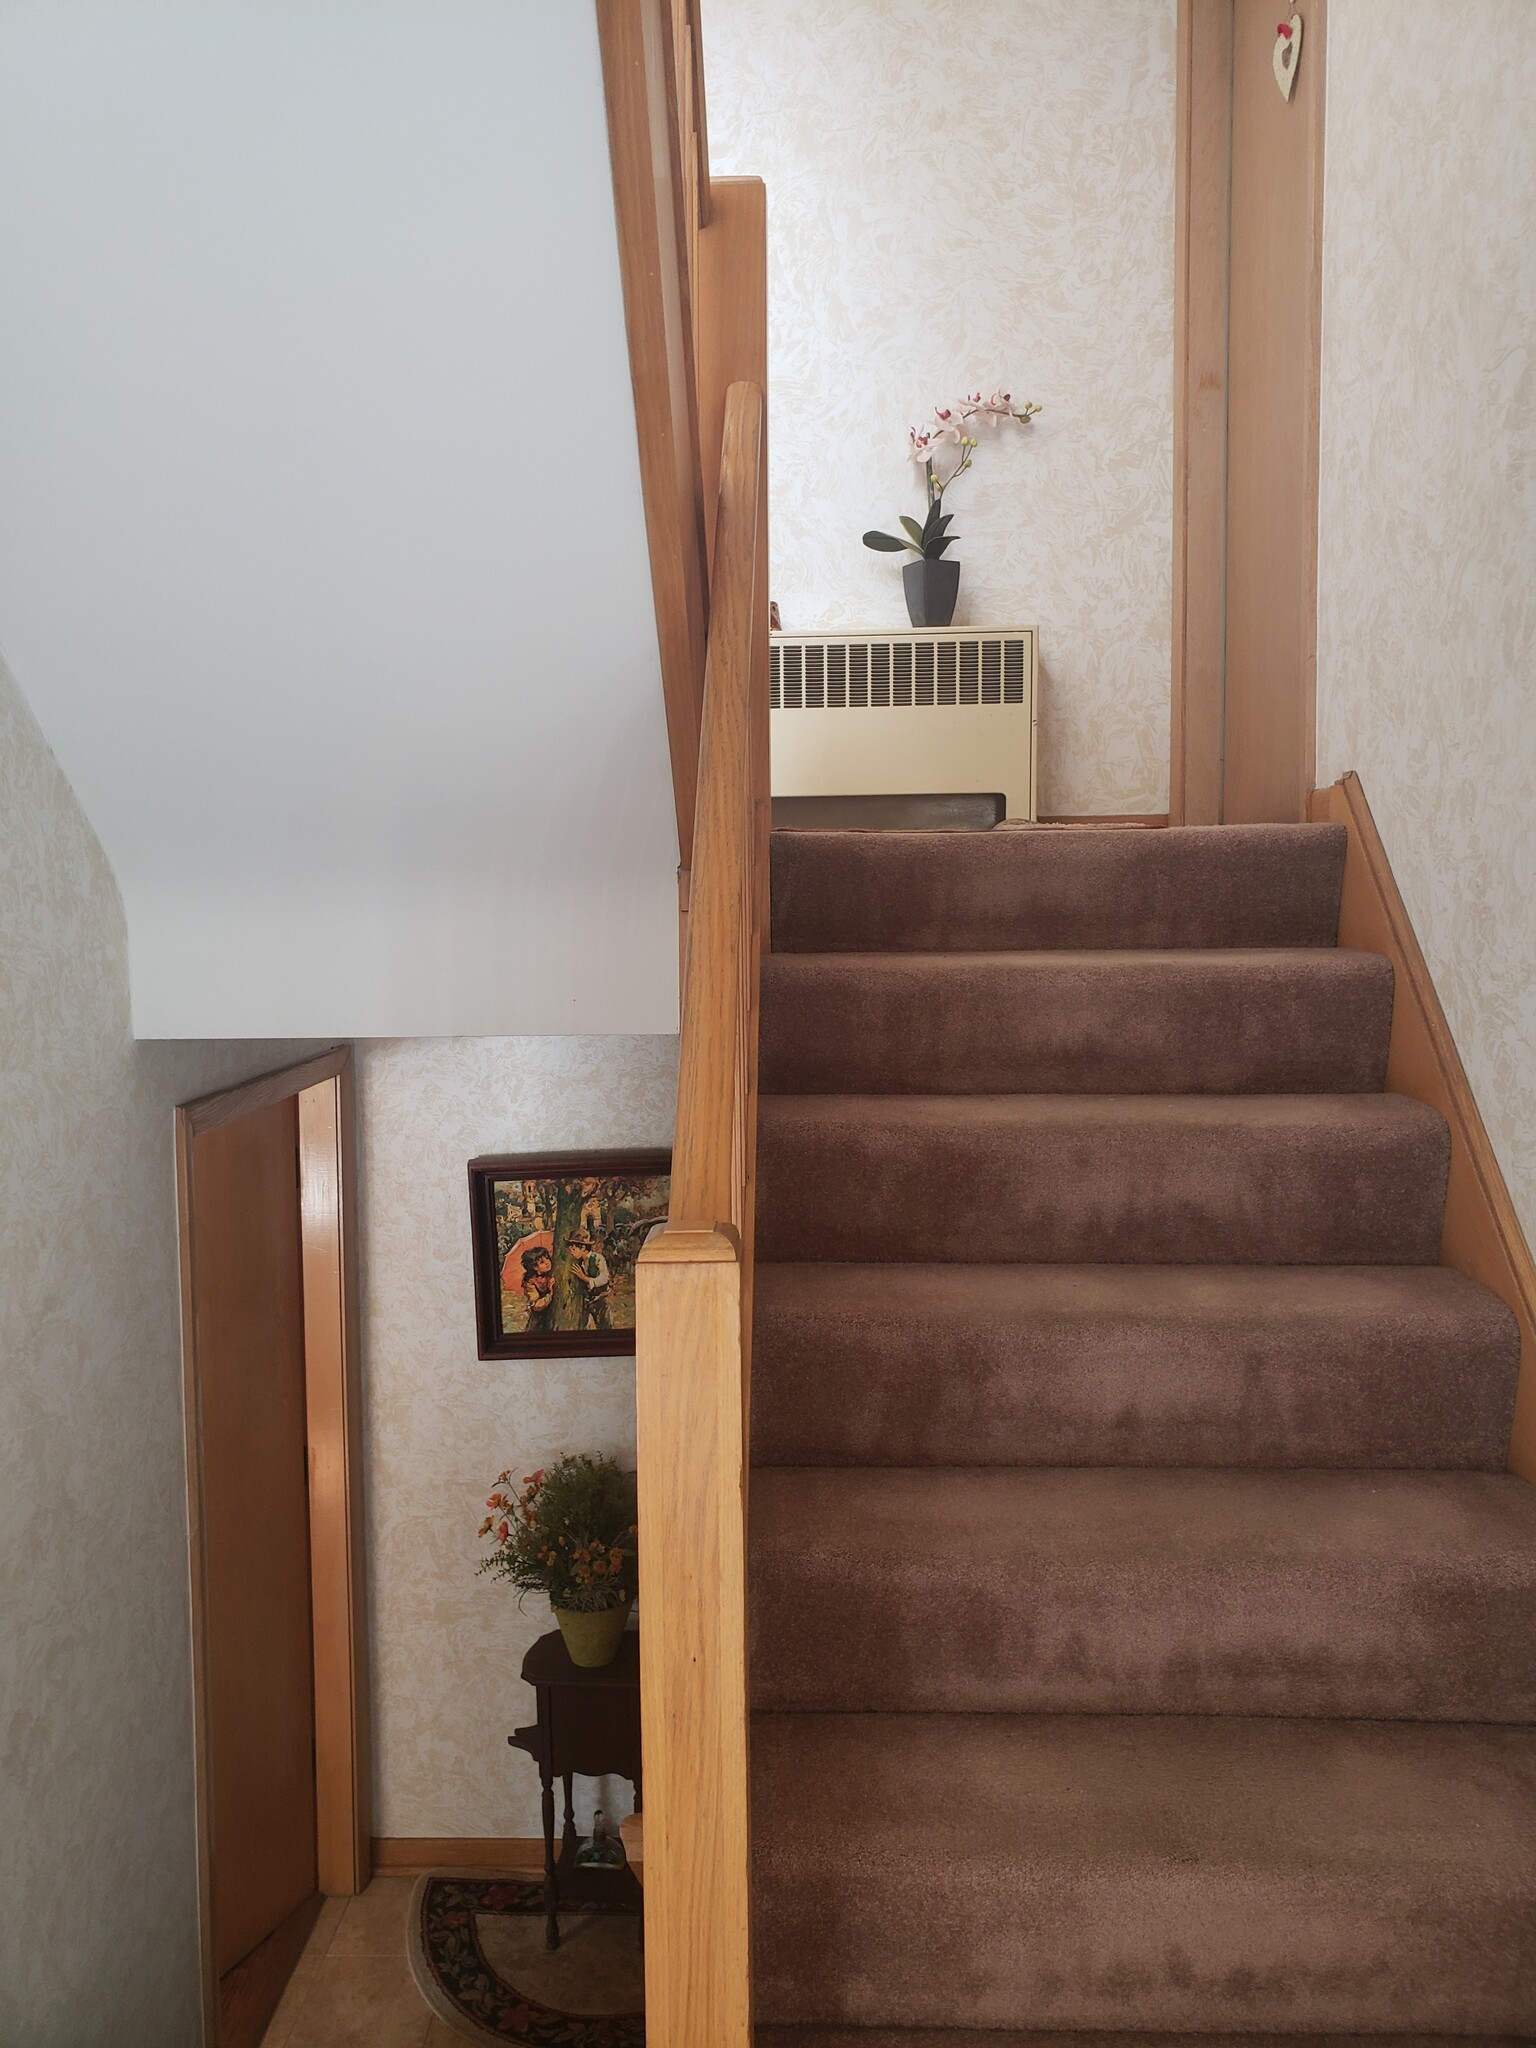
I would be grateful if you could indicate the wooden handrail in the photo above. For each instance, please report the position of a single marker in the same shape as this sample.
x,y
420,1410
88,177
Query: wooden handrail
x,y
693,259
694,1324
711,1150
731,297
657,208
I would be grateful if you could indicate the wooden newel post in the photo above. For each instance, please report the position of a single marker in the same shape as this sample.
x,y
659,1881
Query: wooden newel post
x,y
693,1687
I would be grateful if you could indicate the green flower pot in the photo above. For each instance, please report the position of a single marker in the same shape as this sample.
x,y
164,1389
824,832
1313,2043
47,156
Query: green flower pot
x,y
592,1640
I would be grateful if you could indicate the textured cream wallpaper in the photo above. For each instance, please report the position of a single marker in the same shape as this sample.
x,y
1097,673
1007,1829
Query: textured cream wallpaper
x,y
98,1901
1427,586
447,1646
962,191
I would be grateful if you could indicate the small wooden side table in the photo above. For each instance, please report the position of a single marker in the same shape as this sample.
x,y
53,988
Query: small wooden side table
x,y
589,1723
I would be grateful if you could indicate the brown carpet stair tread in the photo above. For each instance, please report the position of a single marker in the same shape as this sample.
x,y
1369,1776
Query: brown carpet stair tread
x,y
947,1364
1364,1595
1239,885
1141,1611
1090,1179
1095,1872
1235,1022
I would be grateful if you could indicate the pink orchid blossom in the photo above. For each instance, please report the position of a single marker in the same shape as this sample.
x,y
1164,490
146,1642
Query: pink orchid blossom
x,y
944,447
957,425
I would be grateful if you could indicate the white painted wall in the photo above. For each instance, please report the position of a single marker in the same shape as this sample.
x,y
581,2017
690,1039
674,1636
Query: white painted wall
x,y
447,1646
1427,572
96,1774
322,559
962,191
98,1893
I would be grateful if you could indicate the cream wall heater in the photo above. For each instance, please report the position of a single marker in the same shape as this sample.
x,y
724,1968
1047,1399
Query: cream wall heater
x,y
926,713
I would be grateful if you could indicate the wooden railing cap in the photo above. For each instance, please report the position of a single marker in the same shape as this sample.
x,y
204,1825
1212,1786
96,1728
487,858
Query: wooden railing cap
x,y
687,1245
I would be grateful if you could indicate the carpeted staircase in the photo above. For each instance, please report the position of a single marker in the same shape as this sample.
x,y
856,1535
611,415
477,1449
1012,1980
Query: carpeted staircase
x,y
1143,1621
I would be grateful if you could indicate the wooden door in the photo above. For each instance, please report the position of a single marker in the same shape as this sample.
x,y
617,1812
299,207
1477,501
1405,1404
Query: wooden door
x,y
248,1305
1272,415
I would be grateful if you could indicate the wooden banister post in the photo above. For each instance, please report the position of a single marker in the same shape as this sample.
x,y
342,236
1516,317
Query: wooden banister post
x,y
693,1642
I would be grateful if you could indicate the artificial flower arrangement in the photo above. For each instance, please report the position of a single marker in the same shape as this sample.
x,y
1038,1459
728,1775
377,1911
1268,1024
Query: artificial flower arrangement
x,y
570,1534
945,448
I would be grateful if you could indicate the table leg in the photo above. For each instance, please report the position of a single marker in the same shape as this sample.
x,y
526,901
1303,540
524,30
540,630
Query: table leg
x,y
551,1888
640,1808
570,1841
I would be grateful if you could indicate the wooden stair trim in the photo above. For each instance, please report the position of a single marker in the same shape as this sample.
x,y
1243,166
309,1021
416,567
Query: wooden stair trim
x,y
1482,1234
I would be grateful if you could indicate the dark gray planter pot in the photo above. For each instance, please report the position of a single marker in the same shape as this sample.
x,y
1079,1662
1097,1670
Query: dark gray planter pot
x,y
931,587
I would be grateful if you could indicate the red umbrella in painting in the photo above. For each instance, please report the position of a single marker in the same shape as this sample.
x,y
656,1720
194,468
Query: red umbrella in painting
x,y
512,1264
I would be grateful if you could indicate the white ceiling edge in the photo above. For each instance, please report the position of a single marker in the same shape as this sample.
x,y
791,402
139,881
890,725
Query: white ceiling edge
x,y
322,553
427,978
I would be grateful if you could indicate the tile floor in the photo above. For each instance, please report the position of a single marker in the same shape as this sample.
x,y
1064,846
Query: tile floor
x,y
353,1988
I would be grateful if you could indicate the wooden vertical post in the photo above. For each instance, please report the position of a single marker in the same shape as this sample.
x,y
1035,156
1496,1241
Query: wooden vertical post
x,y
1201,209
690,1427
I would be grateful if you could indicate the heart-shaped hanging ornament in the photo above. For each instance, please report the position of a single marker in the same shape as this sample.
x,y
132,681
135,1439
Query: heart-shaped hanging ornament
x,y
1287,54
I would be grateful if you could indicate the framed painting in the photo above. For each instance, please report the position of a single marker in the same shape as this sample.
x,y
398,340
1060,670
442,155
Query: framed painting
x,y
556,1236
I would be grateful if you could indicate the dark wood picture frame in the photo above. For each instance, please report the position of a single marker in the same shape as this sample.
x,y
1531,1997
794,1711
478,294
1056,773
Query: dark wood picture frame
x,y
485,1175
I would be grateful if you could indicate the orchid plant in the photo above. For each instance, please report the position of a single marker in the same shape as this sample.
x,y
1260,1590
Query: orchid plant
x,y
945,448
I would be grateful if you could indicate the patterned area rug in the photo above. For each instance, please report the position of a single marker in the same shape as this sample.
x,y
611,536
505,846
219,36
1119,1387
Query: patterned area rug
x,y
478,1956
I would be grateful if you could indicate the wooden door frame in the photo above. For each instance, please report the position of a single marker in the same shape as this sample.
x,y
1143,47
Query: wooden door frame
x,y
1202,227
324,1089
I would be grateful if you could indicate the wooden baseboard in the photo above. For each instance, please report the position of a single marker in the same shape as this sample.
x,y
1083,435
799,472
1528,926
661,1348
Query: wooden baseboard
x,y
397,1855
1482,1234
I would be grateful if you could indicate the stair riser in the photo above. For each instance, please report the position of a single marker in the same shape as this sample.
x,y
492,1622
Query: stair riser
x,y
894,892
1049,1368
1272,1024
850,1186
1203,1877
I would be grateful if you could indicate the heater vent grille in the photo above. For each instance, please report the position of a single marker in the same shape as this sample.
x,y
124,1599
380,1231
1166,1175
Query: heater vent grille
x,y
899,671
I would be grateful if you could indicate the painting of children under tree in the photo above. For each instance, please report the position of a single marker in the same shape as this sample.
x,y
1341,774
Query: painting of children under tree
x,y
556,1238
